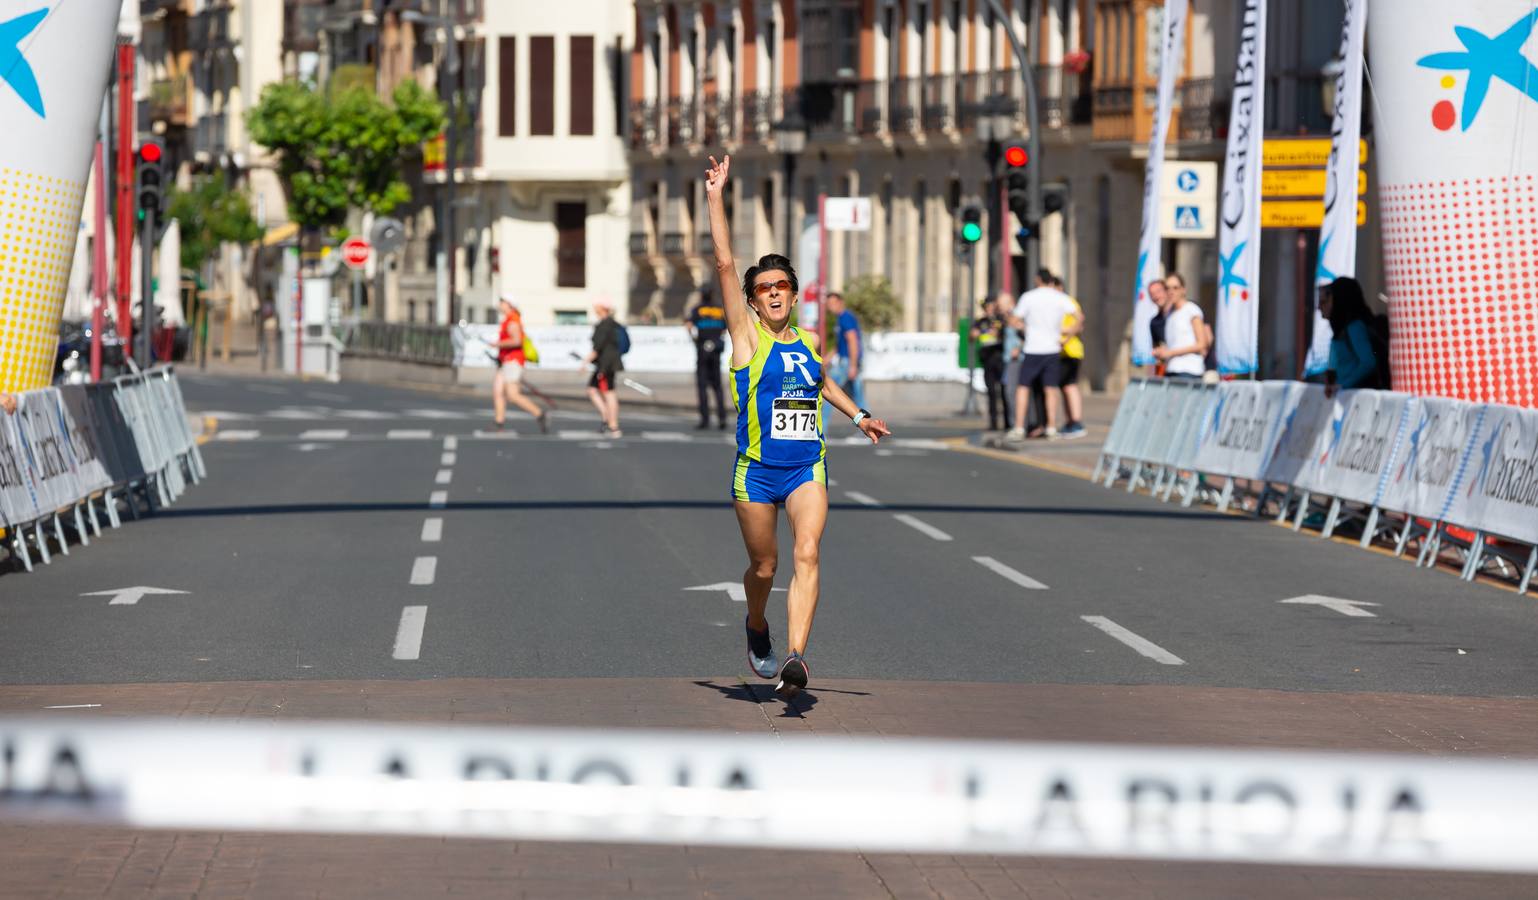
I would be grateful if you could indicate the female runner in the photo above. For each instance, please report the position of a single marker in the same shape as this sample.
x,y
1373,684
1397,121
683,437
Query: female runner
x,y
778,388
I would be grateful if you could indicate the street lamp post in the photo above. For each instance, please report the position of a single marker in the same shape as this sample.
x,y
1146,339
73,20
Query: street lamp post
x,y
790,141
447,302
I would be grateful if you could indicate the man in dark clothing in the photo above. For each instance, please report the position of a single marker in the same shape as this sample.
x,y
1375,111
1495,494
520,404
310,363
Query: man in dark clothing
x,y
606,363
707,325
1160,298
988,337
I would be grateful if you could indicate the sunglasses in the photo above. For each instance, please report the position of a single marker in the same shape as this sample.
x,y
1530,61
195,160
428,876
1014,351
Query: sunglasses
x,y
764,287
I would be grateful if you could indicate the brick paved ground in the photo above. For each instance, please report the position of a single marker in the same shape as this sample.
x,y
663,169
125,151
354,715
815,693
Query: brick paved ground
x,y
54,861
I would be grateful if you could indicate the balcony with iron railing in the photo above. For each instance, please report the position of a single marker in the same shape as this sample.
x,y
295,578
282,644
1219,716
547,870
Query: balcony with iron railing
x,y
208,138
640,244
168,100
673,243
209,29
423,344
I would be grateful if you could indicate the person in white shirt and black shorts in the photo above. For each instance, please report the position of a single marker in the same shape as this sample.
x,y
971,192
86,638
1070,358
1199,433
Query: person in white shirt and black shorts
x,y
1042,313
1184,353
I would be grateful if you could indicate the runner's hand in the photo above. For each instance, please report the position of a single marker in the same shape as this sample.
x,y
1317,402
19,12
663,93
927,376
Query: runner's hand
x,y
715,176
875,429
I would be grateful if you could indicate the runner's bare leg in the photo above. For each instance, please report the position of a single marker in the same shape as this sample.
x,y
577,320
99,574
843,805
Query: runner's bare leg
x,y
758,522
807,508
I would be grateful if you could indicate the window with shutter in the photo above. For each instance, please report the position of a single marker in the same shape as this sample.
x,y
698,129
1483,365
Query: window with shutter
x,y
571,245
542,85
507,86
582,84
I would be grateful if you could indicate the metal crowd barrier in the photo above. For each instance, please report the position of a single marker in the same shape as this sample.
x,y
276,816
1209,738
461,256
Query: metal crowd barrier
x,y
1433,472
68,448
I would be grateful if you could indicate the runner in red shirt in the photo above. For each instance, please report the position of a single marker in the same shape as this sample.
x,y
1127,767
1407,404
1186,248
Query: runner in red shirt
x,y
507,385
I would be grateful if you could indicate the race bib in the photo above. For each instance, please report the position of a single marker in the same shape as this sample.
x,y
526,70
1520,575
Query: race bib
x,y
795,419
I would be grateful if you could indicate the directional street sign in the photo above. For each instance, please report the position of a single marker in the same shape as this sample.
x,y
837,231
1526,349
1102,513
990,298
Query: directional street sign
x,y
1302,152
1300,213
130,595
1188,199
1340,605
1301,182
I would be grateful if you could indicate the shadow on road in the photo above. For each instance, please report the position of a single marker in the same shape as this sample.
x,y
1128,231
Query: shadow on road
x,y
763,693
584,505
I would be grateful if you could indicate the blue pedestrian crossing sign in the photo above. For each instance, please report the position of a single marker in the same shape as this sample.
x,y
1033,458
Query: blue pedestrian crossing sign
x,y
1188,218
1188,199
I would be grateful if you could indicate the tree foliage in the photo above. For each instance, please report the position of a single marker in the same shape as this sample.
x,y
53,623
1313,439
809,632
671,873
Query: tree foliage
x,y
343,150
871,299
209,214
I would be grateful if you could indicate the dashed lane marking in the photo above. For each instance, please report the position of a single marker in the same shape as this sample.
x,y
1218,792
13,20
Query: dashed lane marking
x,y
324,434
863,499
921,526
444,476
451,443
1137,642
448,459
409,434
432,530
408,635
676,436
424,570
437,499
1017,577
237,435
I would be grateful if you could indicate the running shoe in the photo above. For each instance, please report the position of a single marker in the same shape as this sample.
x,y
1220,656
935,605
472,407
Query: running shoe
x,y
793,676
1075,430
761,657
1015,434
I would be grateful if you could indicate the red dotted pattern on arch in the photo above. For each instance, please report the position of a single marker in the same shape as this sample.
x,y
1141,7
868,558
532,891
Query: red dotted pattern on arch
x,y
1461,260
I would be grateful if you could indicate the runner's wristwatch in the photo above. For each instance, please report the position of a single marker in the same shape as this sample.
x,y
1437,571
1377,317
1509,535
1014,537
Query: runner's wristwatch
x,y
859,417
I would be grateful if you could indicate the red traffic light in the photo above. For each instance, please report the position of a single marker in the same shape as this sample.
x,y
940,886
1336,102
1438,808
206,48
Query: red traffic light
x,y
1016,157
150,153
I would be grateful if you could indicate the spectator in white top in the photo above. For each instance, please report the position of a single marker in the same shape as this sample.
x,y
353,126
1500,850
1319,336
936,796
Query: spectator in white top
x,y
1042,313
1185,333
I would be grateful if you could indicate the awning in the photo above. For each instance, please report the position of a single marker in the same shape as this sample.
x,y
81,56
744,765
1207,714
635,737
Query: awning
x,y
280,233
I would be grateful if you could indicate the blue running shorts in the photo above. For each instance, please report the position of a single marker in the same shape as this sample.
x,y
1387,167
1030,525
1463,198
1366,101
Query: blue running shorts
x,y
755,482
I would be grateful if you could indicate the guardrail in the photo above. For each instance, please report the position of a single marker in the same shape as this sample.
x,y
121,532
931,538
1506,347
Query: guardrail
x,y
68,447
431,345
1426,470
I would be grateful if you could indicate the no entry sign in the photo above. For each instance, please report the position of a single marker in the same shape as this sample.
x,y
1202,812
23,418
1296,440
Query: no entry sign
x,y
356,252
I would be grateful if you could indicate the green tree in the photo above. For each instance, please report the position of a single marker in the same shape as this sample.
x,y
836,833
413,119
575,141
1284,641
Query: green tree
x,y
871,299
344,150
208,215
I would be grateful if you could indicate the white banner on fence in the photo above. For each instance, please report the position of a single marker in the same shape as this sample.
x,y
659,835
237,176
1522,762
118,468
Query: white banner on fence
x,y
1305,416
18,500
1438,438
889,356
1498,492
46,450
1239,431
1171,58
1238,320
1357,446
1337,234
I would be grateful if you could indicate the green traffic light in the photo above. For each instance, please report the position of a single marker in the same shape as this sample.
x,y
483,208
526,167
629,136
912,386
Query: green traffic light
x,y
971,232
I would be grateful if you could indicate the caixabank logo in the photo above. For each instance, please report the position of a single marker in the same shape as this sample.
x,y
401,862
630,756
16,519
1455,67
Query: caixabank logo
x,y
14,69
1483,59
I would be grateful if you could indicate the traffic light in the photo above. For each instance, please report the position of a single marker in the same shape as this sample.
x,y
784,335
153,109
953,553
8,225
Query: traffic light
x,y
151,184
971,223
1016,159
1054,198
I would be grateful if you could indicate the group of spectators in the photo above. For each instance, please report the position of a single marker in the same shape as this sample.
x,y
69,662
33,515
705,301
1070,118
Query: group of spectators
x,y
1030,351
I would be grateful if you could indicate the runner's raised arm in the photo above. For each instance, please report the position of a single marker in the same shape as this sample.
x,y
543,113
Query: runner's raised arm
x,y
739,323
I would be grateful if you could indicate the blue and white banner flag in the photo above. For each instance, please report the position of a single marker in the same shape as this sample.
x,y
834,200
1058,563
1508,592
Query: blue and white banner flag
x,y
1238,318
1148,264
1337,234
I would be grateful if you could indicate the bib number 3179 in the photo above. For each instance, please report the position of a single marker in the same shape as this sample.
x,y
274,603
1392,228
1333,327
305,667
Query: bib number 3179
x,y
794,419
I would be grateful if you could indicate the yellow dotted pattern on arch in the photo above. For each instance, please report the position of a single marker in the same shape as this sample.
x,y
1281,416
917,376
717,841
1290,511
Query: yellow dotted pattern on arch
x,y
39,217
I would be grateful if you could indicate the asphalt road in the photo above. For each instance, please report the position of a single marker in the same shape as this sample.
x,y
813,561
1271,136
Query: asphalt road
x,y
353,537
568,555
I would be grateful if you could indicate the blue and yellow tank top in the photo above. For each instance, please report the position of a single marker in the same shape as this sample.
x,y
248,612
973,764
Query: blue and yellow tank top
x,y
778,396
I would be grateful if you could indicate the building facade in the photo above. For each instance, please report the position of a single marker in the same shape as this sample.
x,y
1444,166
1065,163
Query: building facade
x,y
898,101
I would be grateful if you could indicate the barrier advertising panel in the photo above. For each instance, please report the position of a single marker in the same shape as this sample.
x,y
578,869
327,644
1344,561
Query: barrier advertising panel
x,y
1498,493
1305,416
1438,436
1358,445
1238,432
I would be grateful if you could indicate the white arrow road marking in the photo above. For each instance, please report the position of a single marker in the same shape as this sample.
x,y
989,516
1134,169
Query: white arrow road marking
x,y
408,635
1019,578
733,589
921,526
1339,604
1140,644
130,595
